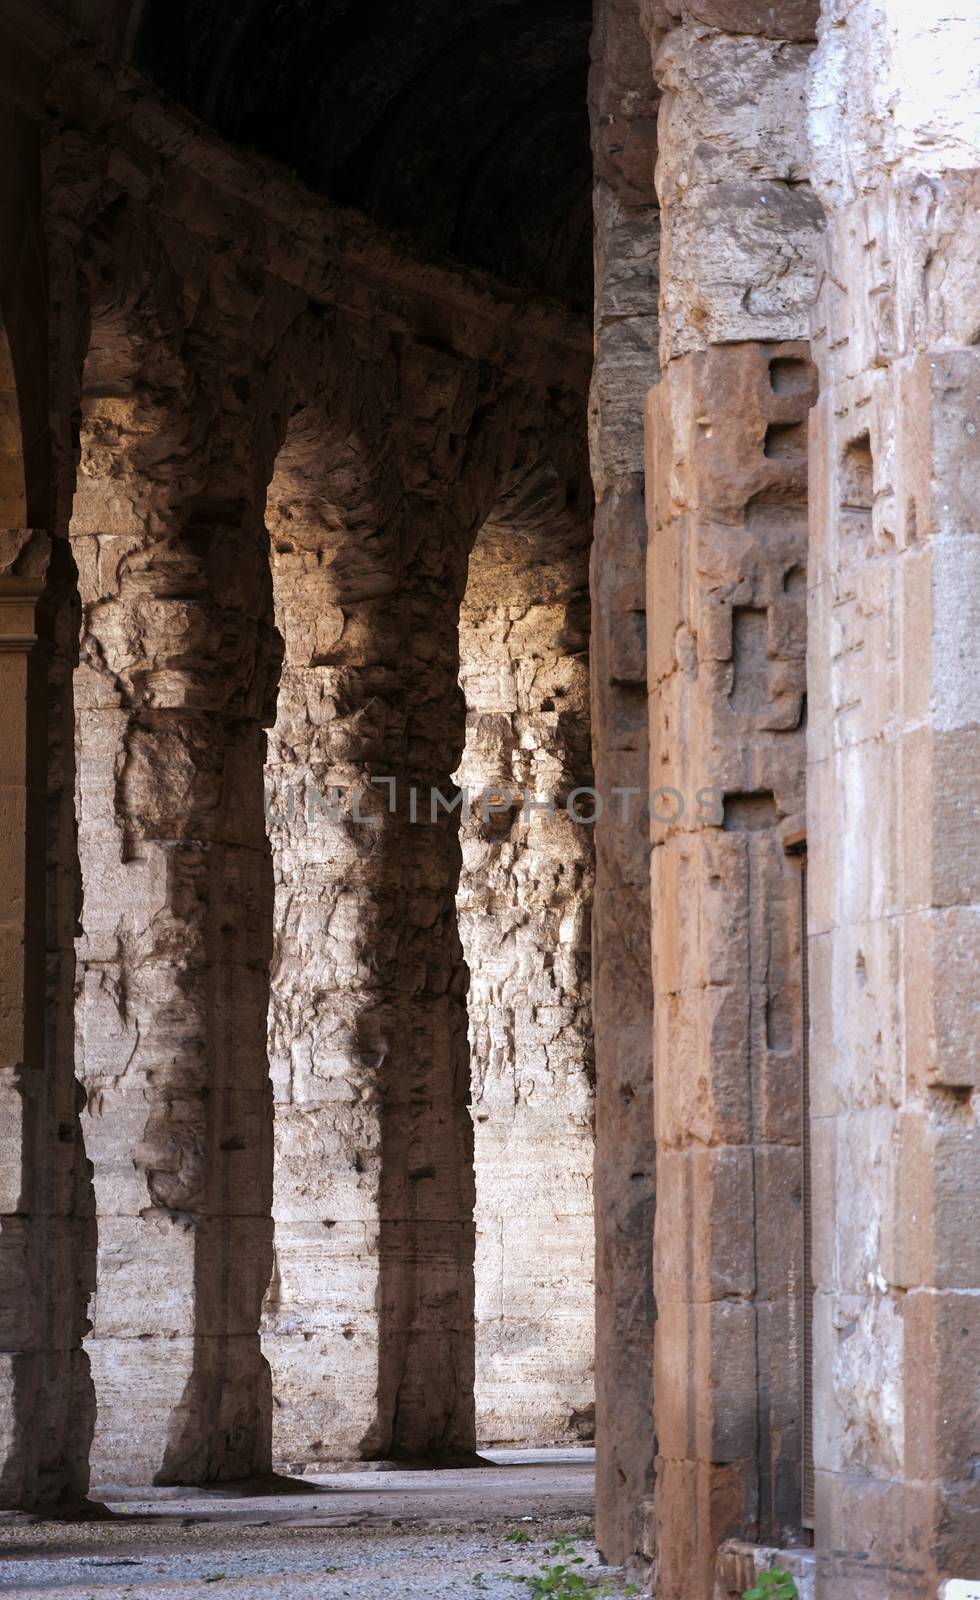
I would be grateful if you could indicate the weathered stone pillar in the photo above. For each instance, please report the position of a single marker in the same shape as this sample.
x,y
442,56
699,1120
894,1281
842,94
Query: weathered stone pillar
x,y
44,1409
454,449
22,795
726,486
177,662
525,901
622,100
894,756
332,1021
369,1316
46,1246
427,1182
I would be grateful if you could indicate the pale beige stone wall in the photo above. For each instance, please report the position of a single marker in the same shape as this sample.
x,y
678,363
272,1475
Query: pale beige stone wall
x,y
177,660
524,912
335,904
894,604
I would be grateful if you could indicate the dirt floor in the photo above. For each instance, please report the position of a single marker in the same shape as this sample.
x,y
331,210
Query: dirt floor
x,y
363,1533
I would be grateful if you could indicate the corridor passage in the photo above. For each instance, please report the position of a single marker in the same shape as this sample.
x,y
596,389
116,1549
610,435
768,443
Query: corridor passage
x,y
363,1533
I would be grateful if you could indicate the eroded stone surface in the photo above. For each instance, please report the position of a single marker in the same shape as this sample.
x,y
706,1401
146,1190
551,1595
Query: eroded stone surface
x,y
177,672
258,361
189,413
525,903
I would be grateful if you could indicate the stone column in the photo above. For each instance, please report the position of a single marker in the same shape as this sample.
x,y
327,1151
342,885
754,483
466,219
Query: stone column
x,y
893,749
22,1230
333,1016
450,462
726,488
525,901
44,1408
177,661
427,1182
622,98
46,1240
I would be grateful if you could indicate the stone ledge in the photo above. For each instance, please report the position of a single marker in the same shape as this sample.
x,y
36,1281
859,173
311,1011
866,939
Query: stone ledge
x,y
738,1564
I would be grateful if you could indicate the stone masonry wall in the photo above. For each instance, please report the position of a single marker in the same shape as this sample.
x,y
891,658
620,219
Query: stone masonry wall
x,y
214,308
726,488
893,747
524,912
368,1318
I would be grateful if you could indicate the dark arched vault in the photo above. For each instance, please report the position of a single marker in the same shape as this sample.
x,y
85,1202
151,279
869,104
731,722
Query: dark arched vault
x,y
460,124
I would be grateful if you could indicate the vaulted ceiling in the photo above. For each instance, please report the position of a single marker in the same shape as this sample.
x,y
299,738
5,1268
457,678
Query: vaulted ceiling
x,y
460,124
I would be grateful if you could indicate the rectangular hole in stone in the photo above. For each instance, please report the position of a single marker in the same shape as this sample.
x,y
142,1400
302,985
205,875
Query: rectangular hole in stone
x,y
750,660
750,813
779,1018
774,511
786,441
857,475
789,375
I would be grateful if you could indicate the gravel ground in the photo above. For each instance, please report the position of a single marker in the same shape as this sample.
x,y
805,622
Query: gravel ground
x,y
361,1534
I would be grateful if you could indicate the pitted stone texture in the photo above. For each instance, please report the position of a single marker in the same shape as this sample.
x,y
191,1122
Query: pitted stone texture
x,y
726,489
335,937
212,285
524,910
456,434
892,96
178,658
740,223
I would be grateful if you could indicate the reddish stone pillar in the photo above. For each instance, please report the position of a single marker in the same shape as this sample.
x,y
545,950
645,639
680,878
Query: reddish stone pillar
x,y
622,100
727,558
726,489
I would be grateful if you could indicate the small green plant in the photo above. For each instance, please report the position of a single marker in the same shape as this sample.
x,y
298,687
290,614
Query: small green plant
x,y
517,1536
772,1585
557,1579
